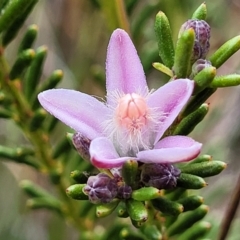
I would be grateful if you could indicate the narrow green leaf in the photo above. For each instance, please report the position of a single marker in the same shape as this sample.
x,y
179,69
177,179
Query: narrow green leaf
x,y
34,72
146,193
162,68
200,159
29,38
129,172
106,209
187,124
198,231
79,176
63,146
186,220
136,210
225,52
201,12
37,119
18,22
34,190
167,206
203,79
205,169
76,192
184,50
12,11
191,202
226,81
197,101
22,63
42,202
189,181
164,38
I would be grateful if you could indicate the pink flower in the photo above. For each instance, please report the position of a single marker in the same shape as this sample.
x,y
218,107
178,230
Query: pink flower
x,y
132,121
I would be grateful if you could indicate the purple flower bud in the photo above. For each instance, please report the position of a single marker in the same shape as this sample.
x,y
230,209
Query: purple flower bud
x,y
202,37
199,65
101,188
124,192
161,176
81,143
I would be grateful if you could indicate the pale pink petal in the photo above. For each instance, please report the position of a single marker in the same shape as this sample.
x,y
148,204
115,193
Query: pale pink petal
x,y
171,149
169,100
79,111
124,71
104,155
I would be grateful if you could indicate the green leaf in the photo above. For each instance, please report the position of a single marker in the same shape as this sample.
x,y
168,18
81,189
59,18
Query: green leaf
x,y
79,176
187,124
203,79
184,50
37,119
22,62
201,12
189,181
136,210
225,52
76,192
197,101
200,159
106,209
164,39
191,202
42,202
167,206
204,169
12,12
162,68
34,72
63,146
146,193
29,38
186,220
226,81
129,172
197,231
18,22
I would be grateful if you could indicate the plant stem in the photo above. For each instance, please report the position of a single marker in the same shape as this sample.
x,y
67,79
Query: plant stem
x,y
230,212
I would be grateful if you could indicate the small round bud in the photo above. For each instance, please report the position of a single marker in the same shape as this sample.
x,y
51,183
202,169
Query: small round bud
x,y
81,143
161,176
199,65
124,192
202,37
101,188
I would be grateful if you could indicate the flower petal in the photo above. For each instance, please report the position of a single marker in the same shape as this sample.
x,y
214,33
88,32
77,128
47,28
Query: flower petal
x,y
168,101
171,149
124,71
104,155
79,111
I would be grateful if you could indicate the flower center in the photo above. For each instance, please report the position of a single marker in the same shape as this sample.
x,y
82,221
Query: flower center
x,y
131,112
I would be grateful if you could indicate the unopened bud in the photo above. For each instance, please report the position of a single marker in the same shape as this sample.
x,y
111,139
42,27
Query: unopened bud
x,y
202,37
81,143
101,188
199,65
161,176
124,192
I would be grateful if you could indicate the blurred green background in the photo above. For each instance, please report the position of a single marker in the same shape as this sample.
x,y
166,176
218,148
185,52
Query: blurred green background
x,y
76,33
